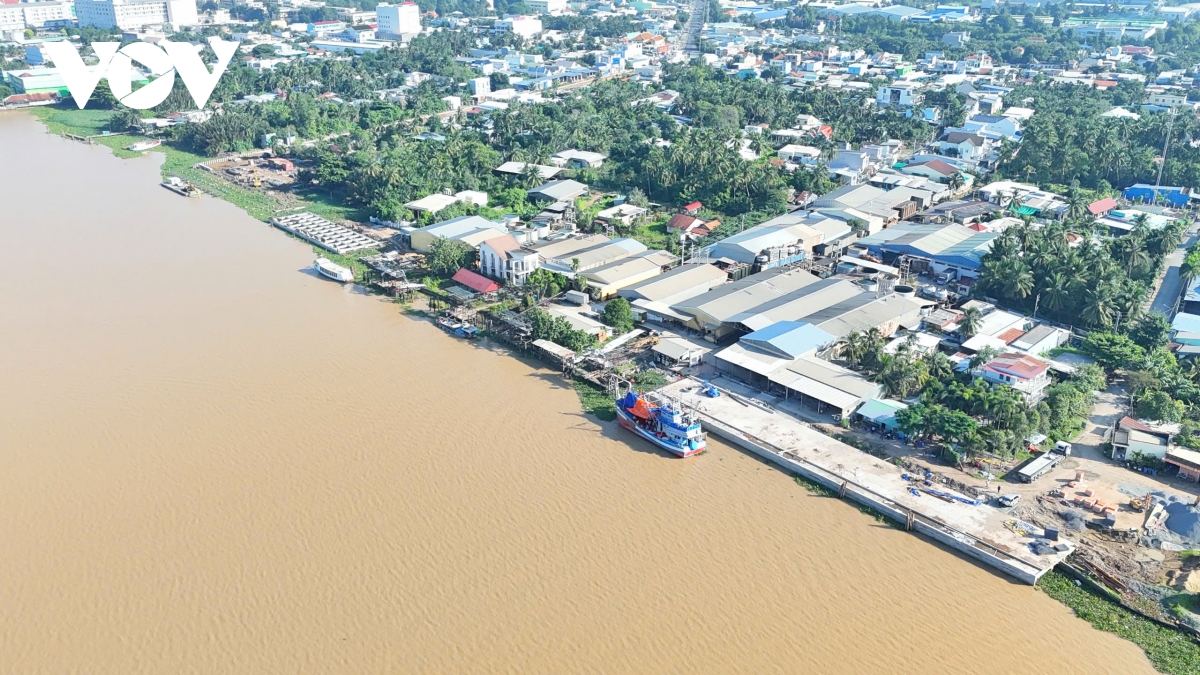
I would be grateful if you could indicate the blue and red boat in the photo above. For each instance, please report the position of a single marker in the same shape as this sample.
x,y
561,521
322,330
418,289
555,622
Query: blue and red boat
x,y
666,426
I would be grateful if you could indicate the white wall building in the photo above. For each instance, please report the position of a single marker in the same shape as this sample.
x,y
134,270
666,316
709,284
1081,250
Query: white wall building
x,y
397,20
525,26
34,14
131,14
552,7
899,94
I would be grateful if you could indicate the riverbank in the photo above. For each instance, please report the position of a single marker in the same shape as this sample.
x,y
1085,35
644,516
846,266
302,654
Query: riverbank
x,y
689,562
1170,651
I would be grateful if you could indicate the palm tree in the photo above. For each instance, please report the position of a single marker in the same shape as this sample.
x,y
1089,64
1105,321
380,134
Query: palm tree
x,y
1098,306
956,181
1017,280
1057,292
972,318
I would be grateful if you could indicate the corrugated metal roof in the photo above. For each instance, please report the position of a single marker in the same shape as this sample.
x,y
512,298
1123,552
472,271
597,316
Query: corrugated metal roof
x,y
723,302
825,382
788,338
675,285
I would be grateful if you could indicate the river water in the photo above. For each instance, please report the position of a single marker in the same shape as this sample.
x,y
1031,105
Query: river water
x,y
212,461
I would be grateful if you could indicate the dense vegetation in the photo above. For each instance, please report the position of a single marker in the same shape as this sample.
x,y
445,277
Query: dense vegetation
x,y
1089,282
966,411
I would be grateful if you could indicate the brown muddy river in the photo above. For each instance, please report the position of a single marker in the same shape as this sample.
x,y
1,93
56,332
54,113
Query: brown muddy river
x,y
212,461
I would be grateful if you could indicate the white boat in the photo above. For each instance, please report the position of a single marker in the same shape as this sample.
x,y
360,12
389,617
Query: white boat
x,y
144,145
333,271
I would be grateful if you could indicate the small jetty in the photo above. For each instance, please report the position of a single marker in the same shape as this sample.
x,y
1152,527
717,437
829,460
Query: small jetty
x,y
181,187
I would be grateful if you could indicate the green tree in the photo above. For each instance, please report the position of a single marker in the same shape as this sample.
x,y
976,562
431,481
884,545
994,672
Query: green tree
x,y
619,315
263,51
448,256
1151,331
1159,406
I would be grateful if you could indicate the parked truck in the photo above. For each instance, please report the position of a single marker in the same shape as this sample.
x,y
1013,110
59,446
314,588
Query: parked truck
x,y
1038,466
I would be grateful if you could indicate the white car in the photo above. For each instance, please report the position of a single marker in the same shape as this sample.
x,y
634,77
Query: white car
x,y
1010,499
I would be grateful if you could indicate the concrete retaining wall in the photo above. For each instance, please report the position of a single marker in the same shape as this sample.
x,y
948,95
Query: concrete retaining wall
x,y
959,541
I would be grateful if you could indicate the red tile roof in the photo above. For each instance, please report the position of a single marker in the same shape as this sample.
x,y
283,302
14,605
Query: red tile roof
x,y
1102,206
1021,366
475,282
694,206
1104,83
938,166
1010,336
682,221
978,227
1130,423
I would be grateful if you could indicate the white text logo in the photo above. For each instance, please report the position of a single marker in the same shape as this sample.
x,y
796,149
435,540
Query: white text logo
x,y
117,65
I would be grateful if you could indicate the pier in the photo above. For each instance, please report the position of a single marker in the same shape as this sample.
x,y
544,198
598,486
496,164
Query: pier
x,y
978,531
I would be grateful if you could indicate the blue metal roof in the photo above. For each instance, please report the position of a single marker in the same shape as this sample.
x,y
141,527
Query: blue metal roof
x,y
788,339
1187,323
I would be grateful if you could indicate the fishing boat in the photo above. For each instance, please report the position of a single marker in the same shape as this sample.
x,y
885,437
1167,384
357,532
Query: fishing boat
x,y
333,271
144,145
449,323
178,186
666,426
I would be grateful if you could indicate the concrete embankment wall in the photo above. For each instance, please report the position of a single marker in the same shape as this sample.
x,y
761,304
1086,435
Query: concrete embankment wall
x,y
959,541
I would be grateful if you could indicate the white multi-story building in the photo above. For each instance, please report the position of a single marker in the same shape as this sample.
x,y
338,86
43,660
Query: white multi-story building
x,y
899,94
356,17
132,14
34,14
397,20
525,26
552,7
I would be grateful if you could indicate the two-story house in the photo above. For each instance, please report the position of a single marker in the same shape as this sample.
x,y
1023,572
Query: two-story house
x,y
1022,372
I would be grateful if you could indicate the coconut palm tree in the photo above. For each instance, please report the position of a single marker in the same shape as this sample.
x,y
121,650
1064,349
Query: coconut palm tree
x,y
971,321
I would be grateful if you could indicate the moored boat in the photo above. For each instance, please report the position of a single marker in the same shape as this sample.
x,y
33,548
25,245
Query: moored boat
x,y
666,426
332,270
174,184
144,145
449,323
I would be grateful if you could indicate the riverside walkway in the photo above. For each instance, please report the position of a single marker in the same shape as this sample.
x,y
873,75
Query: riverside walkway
x,y
978,531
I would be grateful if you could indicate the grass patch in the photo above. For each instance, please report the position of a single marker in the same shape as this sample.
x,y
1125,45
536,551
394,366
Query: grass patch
x,y
596,401
1170,651
653,235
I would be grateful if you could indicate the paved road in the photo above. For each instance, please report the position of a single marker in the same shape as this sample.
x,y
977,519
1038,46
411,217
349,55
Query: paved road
x,y
1172,285
691,32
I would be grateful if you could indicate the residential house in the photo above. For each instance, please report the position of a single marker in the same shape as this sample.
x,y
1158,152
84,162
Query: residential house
x,y
964,145
504,258
933,169
621,214
578,159
1022,372
899,95
1132,437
